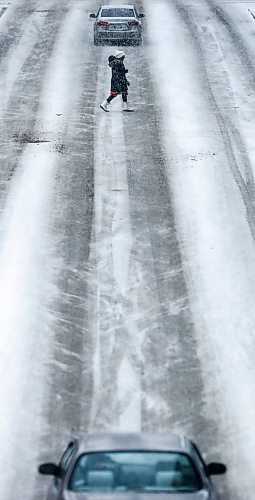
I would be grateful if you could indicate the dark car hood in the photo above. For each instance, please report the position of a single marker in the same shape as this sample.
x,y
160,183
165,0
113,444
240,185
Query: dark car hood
x,y
201,495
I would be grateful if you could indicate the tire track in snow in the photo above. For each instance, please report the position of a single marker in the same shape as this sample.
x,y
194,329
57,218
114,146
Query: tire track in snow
x,y
72,211
21,80
150,353
13,23
116,388
10,27
217,244
171,399
26,266
236,150
241,167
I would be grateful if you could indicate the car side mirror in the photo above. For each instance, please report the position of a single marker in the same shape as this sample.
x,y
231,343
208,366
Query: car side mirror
x,y
49,470
215,468
141,15
93,16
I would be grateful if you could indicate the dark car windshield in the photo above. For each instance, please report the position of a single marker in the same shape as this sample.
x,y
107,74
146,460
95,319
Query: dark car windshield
x,y
117,13
143,471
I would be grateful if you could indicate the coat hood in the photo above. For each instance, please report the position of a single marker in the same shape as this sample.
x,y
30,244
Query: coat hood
x,y
119,54
115,63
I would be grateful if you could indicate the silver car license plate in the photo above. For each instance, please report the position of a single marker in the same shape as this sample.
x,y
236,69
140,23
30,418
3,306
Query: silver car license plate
x,y
117,27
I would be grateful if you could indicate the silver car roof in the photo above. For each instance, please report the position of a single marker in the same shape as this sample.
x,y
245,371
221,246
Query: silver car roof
x,y
122,6
133,441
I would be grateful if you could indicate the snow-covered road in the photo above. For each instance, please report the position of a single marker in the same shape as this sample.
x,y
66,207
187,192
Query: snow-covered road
x,y
127,254
213,186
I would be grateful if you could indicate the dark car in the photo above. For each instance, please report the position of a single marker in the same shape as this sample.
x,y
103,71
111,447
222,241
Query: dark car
x,y
117,23
131,466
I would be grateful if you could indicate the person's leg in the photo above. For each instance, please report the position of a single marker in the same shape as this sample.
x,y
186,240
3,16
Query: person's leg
x,y
125,102
112,96
107,101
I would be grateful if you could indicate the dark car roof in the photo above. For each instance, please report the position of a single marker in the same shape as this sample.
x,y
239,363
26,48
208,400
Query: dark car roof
x,y
133,441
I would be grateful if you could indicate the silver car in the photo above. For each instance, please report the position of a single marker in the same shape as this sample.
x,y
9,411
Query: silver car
x,y
117,23
132,467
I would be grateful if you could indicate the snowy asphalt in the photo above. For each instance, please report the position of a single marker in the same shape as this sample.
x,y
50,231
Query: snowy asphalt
x,y
127,258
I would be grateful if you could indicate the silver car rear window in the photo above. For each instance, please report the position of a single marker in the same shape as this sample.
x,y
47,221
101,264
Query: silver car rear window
x,y
117,13
139,471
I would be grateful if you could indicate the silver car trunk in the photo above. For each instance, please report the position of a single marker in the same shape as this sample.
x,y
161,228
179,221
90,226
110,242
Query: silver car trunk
x,y
200,495
118,23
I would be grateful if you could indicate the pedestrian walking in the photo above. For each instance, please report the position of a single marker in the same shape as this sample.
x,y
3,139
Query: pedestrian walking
x,y
119,82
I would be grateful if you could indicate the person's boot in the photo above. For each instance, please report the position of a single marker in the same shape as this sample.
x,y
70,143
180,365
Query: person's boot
x,y
105,105
126,107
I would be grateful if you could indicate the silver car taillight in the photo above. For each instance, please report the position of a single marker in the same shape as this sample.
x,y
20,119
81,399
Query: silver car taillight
x,y
133,23
102,23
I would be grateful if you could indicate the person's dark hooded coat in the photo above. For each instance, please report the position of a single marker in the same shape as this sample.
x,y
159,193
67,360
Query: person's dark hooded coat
x,y
119,82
